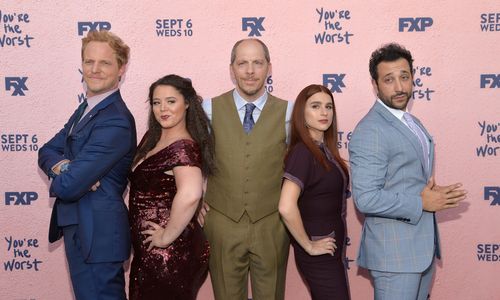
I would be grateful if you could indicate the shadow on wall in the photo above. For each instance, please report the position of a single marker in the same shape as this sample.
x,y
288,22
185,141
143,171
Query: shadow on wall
x,y
452,214
362,271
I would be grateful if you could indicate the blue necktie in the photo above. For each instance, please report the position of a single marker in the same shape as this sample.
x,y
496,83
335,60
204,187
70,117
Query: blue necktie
x,y
421,137
80,111
248,121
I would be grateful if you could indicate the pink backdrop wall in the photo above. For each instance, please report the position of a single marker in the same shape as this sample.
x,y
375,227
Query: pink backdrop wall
x,y
455,45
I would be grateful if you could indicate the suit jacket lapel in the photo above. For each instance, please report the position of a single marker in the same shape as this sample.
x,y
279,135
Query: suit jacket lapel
x,y
94,111
71,121
431,145
405,131
235,116
69,134
268,108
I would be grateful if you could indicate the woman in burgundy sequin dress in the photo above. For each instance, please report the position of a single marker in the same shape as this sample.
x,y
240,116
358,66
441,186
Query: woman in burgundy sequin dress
x,y
170,249
313,196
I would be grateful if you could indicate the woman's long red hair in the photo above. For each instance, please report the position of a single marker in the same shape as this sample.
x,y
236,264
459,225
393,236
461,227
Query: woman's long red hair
x,y
300,133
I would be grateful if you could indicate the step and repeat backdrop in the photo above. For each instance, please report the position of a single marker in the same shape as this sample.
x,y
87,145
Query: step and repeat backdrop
x,y
456,46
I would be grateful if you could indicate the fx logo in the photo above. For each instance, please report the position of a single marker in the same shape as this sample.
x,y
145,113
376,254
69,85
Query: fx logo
x,y
255,25
335,80
16,83
492,192
490,80
92,26
20,198
414,24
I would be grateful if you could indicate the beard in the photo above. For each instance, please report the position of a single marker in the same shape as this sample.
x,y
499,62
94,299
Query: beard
x,y
391,102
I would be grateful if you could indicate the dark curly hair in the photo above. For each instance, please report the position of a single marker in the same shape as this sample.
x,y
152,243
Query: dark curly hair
x,y
197,122
388,52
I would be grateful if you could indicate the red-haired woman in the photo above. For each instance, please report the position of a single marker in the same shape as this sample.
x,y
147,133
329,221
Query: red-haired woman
x,y
314,192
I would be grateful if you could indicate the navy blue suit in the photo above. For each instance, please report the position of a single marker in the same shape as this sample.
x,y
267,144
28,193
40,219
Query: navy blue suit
x,y
101,148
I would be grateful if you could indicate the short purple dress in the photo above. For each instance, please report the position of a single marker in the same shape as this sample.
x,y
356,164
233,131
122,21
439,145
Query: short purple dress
x,y
322,205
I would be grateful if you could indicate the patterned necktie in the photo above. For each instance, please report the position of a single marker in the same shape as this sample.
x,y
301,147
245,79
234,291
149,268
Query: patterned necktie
x,y
248,121
421,137
80,111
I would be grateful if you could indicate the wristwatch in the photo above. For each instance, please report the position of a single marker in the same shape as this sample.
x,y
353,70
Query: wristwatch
x,y
64,167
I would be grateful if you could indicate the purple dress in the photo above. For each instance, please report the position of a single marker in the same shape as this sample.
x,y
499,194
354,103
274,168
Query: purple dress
x,y
322,204
178,271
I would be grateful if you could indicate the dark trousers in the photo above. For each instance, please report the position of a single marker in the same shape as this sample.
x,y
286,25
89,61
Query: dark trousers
x,y
92,281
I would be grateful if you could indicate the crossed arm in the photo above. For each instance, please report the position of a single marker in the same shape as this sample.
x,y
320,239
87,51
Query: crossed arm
x,y
108,142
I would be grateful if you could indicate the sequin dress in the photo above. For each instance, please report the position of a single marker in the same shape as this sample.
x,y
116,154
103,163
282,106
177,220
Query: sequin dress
x,y
178,271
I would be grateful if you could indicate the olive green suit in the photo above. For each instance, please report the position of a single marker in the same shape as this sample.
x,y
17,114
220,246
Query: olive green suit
x,y
243,226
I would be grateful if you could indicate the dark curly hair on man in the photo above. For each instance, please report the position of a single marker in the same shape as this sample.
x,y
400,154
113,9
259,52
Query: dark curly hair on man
x,y
388,52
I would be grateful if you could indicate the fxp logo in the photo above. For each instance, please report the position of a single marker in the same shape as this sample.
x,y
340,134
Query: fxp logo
x,y
491,81
18,84
335,81
255,25
20,198
415,24
92,26
492,192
